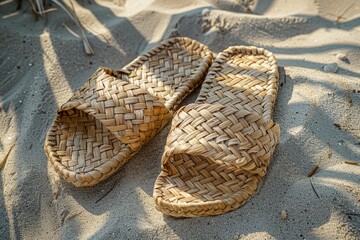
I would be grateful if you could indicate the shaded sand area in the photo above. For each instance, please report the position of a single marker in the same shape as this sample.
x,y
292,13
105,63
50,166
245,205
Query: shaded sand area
x,y
42,64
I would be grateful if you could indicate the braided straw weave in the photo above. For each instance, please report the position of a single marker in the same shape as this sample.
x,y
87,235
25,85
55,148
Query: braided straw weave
x,y
116,112
219,148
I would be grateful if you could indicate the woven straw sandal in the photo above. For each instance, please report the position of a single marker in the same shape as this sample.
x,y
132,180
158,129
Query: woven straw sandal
x,y
115,113
219,148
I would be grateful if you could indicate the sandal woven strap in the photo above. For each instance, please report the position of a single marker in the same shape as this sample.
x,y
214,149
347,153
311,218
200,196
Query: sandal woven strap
x,y
221,133
130,113
115,113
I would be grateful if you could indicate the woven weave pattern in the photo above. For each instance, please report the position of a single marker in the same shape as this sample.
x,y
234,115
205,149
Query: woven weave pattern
x,y
239,138
116,112
219,148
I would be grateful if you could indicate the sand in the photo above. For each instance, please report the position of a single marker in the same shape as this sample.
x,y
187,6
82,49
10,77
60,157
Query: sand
x,y
42,64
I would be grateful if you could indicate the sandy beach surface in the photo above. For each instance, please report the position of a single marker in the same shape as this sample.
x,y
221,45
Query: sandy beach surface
x,y
42,63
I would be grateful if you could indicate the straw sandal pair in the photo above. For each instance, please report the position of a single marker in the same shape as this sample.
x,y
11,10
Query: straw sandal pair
x,y
218,148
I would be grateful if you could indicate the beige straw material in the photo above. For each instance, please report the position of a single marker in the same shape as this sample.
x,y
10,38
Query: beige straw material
x,y
115,113
219,147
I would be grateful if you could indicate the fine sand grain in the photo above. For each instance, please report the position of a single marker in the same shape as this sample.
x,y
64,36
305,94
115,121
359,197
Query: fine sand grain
x,y
42,64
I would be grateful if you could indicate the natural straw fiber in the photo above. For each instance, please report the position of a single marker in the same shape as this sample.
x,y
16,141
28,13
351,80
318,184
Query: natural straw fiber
x,y
115,113
219,148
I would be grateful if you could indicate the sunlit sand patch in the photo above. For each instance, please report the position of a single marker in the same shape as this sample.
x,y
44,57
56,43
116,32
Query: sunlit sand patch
x,y
105,35
147,221
296,130
58,83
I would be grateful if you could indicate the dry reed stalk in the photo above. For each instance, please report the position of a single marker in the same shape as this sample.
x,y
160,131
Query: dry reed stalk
x,y
3,161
